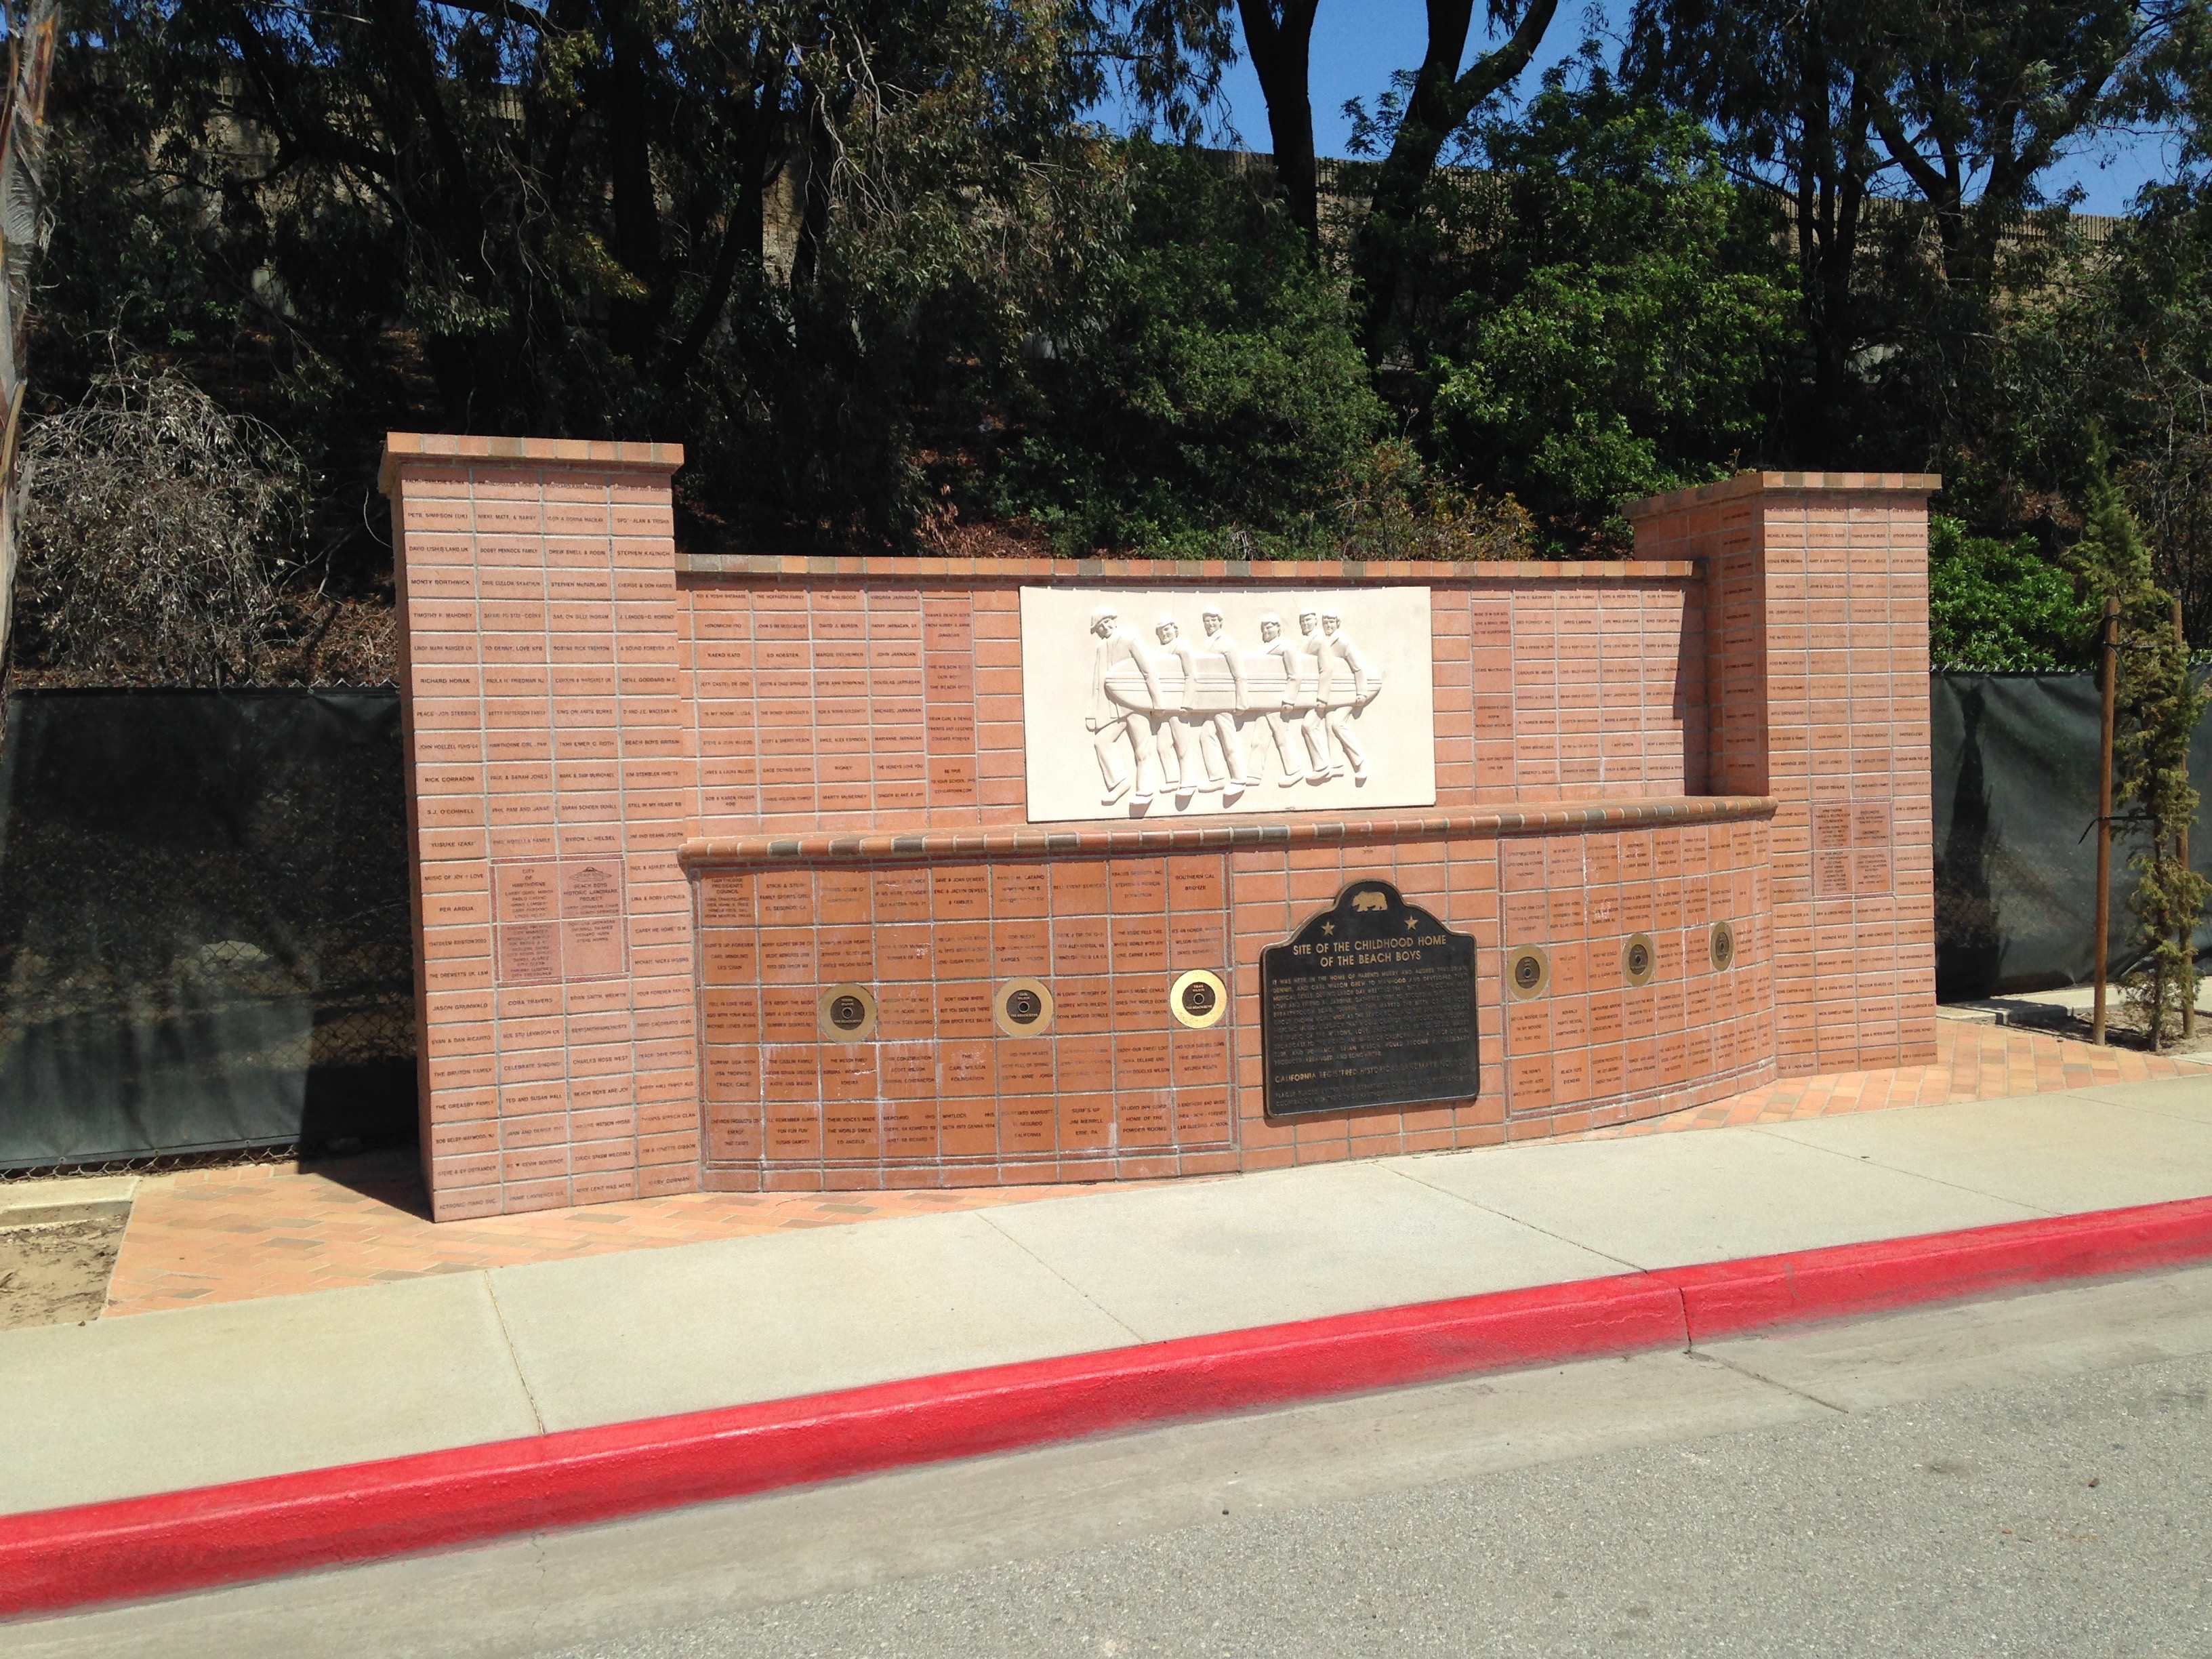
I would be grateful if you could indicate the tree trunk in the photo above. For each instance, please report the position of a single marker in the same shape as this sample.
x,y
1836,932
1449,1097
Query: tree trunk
x,y
1442,100
1281,51
636,211
745,226
1836,166
818,155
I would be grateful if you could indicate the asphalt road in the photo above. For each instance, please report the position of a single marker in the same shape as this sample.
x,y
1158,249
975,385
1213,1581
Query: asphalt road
x,y
2031,1476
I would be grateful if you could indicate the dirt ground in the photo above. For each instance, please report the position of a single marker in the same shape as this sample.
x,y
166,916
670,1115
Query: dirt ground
x,y
2121,1035
55,1273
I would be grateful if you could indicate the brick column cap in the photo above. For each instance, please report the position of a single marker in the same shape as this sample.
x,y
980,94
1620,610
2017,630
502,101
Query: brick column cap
x,y
401,448
1754,483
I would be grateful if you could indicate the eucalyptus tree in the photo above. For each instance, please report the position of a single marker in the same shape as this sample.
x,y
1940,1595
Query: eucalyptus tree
x,y
1921,132
1437,99
1441,99
799,233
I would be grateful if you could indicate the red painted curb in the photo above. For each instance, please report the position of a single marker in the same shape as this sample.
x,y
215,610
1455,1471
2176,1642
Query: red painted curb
x,y
1725,1298
140,1547
145,1546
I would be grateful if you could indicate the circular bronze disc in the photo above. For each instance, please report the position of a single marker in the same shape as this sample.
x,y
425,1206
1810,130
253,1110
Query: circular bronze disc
x,y
1198,999
1023,1008
1527,971
1639,959
846,1013
1724,946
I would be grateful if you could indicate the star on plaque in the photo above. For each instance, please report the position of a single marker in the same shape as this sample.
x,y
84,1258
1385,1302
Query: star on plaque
x,y
1329,927
1411,924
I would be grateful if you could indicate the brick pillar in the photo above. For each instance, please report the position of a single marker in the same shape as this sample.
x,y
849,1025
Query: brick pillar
x,y
550,778
1816,603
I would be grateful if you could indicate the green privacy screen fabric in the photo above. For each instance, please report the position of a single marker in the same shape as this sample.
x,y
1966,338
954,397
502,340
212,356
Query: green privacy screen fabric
x,y
204,925
2015,758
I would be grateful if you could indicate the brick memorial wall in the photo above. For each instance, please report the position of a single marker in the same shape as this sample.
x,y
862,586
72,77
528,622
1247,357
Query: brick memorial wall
x,y
760,874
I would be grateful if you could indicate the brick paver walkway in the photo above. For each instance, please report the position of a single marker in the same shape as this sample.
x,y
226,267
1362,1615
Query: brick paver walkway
x,y
277,1229
1973,1062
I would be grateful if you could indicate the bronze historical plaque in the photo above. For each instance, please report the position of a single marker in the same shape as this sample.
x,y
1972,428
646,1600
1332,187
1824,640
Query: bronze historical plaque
x,y
1371,1003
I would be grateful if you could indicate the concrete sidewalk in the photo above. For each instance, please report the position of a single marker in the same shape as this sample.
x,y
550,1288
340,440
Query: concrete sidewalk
x,y
168,1400
281,1228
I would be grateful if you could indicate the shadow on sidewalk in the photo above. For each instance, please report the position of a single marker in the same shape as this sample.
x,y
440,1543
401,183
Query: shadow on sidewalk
x,y
389,1175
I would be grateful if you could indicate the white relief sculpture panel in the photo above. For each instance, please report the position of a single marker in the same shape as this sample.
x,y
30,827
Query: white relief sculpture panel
x,y
1165,703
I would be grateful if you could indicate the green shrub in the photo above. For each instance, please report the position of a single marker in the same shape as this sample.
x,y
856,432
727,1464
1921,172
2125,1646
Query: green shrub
x,y
2001,606
1215,382
1618,314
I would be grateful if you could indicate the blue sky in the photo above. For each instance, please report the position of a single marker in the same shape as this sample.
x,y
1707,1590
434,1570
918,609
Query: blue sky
x,y
1357,43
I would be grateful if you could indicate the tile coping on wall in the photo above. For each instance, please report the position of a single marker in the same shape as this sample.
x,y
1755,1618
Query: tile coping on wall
x,y
401,448
1190,838
1069,572
1753,484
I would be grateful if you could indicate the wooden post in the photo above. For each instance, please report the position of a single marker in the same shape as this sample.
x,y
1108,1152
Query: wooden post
x,y
2107,666
2187,939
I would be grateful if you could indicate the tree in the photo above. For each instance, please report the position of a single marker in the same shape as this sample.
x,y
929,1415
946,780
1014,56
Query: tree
x,y
1440,101
1620,316
806,234
32,26
1278,40
1215,383
1954,113
2002,607
2159,703
2129,347
153,527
